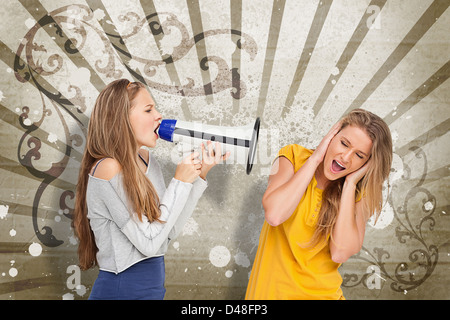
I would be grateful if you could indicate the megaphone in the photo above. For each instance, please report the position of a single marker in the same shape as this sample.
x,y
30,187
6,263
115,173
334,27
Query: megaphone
x,y
241,142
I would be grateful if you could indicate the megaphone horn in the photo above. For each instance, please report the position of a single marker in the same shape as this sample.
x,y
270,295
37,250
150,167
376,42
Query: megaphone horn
x,y
241,142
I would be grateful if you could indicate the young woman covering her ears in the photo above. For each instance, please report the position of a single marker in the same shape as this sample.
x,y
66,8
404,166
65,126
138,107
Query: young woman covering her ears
x,y
124,214
316,204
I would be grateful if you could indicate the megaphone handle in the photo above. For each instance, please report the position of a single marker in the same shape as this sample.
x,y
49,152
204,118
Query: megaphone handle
x,y
184,149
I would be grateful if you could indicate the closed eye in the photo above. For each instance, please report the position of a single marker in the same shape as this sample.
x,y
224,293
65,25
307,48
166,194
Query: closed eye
x,y
150,108
345,144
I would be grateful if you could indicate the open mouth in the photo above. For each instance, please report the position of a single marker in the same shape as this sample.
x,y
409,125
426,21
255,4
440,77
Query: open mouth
x,y
156,130
337,167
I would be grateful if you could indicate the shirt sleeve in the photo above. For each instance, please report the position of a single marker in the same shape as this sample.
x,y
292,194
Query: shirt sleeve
x,y
147,236
287,152
296,154
198,188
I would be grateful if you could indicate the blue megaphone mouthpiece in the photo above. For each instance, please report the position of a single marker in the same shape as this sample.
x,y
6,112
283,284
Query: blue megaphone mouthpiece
x,y
166,129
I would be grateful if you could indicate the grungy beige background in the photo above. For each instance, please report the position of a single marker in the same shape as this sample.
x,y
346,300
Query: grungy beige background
x,y
299,65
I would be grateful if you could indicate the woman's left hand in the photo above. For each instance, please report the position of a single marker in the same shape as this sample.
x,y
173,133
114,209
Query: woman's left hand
x,y
357,175
211,157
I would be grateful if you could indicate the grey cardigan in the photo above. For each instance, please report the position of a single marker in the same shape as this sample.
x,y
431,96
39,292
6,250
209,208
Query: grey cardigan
x,y
122,239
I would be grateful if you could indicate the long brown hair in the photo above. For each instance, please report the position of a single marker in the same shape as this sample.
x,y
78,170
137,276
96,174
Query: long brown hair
x,y
110,135
370,186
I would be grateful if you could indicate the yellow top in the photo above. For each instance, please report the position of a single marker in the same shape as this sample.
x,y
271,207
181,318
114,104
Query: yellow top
x,y
285,267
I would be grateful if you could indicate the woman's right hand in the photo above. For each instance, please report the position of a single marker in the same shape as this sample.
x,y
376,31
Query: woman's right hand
x,y
319,154
189,168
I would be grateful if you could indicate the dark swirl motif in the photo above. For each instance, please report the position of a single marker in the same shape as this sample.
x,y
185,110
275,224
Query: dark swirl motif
x,y
31,70
34,144
422,260
34,71
226,77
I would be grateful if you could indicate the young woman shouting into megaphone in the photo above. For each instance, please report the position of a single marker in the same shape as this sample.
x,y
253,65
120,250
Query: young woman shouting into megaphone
x,y
316,204
124,215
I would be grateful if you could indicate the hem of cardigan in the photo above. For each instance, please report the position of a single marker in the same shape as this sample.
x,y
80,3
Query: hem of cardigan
x,y
130,265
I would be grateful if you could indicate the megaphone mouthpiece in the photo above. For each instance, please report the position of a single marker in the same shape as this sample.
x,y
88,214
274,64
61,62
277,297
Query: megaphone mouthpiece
x,y
166,129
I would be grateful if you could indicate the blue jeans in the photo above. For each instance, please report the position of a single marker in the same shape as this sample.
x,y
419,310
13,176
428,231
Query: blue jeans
x,y
142,281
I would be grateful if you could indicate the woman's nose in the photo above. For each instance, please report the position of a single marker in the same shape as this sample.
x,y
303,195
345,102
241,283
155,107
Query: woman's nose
x,y
346,156
158,116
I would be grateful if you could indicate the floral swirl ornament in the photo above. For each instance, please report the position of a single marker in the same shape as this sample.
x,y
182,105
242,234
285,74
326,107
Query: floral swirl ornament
x,y
226,77
48,176
77,18
34,71
410,274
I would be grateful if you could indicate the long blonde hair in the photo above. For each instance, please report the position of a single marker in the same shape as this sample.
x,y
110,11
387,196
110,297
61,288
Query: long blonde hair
x,y
370,186
110,135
